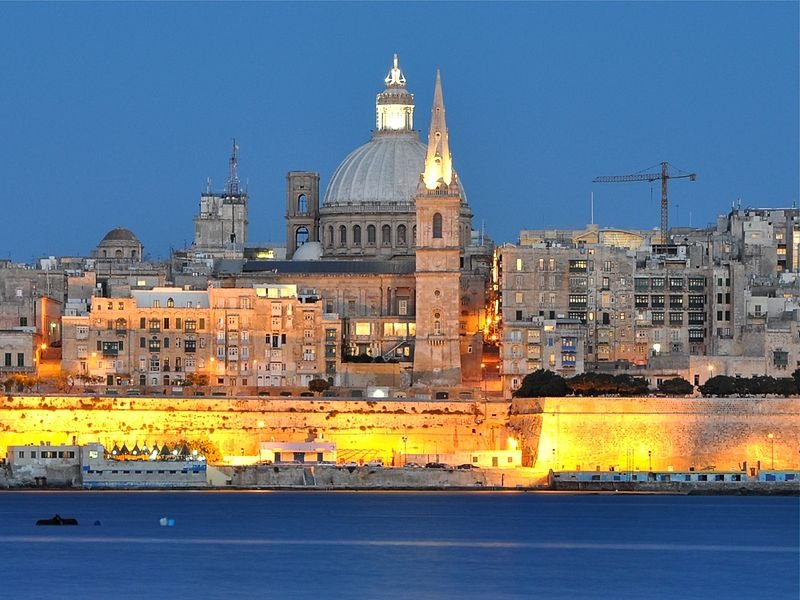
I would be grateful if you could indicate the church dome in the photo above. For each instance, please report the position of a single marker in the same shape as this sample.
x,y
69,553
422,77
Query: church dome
x,y
384,171
308,251
120,234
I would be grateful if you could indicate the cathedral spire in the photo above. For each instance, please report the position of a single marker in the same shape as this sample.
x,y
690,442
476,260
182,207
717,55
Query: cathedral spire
x,y
438,161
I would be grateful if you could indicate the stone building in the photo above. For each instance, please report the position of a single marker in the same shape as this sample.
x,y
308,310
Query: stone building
x,y
240,339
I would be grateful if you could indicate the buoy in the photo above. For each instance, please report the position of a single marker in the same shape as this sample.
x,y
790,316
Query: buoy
x,y
165,522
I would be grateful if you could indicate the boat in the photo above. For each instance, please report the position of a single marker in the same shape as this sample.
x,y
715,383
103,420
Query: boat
x,y
57,520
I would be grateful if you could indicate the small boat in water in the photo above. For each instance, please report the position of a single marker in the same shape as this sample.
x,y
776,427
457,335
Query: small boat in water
x,y
57,520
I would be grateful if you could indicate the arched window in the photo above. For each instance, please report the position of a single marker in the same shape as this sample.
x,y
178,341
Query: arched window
x,y
178,363
300,236
134,254
437,225
437,323
118,253
342,235
170,303
302,204
330,236
414,235
371,234
386,235
142,379
356,235
401,235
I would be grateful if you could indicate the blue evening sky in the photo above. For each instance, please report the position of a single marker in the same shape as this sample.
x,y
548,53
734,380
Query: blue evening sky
x,y
114,114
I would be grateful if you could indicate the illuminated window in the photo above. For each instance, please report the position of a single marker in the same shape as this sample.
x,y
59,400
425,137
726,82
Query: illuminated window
x,y
363,328
519,264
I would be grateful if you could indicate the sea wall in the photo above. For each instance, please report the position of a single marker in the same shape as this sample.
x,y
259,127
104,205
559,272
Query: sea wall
x,y
658,433
362,429
559,433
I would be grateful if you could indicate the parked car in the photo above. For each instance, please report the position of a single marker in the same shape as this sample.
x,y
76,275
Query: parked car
x,y
466,466
412,465
435,465
350,464
374,463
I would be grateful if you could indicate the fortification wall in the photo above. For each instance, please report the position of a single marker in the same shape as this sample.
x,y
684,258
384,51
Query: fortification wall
x,y
658,433
361,428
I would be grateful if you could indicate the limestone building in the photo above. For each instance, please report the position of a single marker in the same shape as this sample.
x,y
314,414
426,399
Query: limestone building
x,y
240,340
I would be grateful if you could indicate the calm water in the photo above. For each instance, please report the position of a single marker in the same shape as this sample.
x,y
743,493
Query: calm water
x,y
398,545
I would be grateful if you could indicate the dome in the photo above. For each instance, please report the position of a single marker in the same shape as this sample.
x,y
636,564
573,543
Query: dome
x,y
120,234
385,171
308,251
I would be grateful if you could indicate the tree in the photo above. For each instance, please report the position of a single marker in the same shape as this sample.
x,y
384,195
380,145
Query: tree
x,y
677,386
318,385
627,385
198,379
542,383
719,385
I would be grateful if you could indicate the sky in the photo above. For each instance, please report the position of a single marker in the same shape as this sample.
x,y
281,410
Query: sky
x,y
116,114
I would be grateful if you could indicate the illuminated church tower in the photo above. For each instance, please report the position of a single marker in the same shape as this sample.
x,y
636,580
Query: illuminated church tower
x,y
437,359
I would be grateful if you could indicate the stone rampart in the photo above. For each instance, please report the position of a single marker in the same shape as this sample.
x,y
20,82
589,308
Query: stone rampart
x,y
658,433
362,429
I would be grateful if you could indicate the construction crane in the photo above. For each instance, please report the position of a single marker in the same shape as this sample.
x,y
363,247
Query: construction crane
x,y
664,176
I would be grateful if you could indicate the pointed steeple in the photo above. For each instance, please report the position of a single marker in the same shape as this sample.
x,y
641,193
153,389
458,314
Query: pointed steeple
x,y
232,187
438,161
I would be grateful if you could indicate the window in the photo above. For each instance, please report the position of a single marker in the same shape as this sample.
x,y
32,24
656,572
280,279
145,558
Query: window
x,y
401,235
190,346
578,266
386,235
437,225
342,235
20,359
371,235
356,235
329,236
402,307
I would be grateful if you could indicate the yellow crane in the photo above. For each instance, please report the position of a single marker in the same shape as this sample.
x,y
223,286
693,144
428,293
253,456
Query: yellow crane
x,y
664,176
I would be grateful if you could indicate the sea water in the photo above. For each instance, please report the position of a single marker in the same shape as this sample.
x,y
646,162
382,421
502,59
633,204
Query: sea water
x,y
409,545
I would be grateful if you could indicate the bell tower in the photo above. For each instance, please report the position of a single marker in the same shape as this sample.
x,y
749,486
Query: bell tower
x,y
302,209
437,357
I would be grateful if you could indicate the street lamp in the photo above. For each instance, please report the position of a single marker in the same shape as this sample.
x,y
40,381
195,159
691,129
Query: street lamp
x,y
772,450
483,377
405,449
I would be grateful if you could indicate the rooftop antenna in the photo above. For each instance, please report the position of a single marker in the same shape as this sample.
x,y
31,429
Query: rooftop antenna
x,y
208,185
